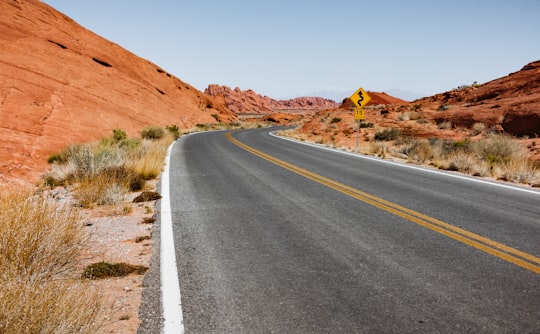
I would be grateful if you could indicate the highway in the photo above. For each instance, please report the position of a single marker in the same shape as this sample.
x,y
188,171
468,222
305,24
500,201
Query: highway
x,y
274,236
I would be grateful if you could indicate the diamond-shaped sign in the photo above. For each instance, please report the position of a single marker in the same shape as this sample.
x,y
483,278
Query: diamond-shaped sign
x,y
360,98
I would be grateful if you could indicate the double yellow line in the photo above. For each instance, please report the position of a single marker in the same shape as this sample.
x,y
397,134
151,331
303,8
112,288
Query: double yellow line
x,y
512,255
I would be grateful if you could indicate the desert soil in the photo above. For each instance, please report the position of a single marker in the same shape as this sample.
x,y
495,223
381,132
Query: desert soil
x,y
112,233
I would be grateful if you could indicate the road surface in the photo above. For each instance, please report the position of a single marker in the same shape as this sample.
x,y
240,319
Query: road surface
x,y
274,236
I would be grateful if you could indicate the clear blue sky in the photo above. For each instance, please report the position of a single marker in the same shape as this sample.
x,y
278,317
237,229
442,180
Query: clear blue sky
x,y
288,48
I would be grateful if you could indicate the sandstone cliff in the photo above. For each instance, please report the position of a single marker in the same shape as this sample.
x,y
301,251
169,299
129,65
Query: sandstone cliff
x,y
61,84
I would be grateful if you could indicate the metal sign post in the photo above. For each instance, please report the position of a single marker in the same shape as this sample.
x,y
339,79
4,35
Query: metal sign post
x,y
358,116
360,98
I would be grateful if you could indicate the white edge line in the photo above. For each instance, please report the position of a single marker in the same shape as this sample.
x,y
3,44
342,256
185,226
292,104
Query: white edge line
x,y
359,156
170,287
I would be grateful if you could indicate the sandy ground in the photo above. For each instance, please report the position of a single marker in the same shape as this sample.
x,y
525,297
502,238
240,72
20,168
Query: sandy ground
x,y
112,233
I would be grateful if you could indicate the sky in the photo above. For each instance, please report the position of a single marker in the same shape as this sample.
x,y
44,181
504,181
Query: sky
x,y
328,48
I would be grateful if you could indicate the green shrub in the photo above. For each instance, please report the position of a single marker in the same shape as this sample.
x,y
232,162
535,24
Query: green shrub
x,y
119,135
134,181
335,120
56,157
129,143
174,130
152,133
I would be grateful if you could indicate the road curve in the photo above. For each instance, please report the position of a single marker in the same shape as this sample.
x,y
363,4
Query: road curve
x,y
278,237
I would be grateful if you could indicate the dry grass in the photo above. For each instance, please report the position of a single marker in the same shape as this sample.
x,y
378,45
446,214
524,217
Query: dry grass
x,y
39,245
52,306
521,171
37,238
148,161
496,155
103,173
102,189
418,150
498,149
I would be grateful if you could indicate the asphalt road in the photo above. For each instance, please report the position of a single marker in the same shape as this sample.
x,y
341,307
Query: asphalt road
x,y
321,242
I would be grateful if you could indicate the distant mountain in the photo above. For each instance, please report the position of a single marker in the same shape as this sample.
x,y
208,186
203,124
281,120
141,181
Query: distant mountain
x,y
248,101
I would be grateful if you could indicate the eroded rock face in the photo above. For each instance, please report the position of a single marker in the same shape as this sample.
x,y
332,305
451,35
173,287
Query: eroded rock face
x,y
511,103
248,101
61,84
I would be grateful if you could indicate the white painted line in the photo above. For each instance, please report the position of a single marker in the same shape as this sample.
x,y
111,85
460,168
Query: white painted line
x,y
403,165
170,287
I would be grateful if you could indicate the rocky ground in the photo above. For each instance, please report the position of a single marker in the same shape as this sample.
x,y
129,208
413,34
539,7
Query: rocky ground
x,y
118,233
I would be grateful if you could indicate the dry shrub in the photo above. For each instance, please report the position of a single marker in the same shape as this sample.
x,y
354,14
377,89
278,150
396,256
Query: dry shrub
x,y
147,196
107,187
498,149
148,161
81,161
466,163
447,125
153,133
39,245
418,150
38,239
477,128
62,306
521,171
105,270
378,148
404,116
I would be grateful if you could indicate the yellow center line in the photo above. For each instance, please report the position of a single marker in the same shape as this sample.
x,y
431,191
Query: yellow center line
x,y
512,255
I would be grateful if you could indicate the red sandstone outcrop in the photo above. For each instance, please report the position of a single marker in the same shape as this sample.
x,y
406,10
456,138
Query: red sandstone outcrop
x,y
62,84
248,101
376,99
510,103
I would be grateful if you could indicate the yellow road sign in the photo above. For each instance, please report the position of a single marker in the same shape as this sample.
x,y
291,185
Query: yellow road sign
x,y
360,98
359,114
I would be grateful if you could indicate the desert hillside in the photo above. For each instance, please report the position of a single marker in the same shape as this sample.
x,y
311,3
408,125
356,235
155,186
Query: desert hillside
x,y
510,105
62,84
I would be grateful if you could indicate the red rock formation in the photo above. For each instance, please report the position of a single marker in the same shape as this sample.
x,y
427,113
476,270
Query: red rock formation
x,y
248,101
511,103
62,84
376,99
